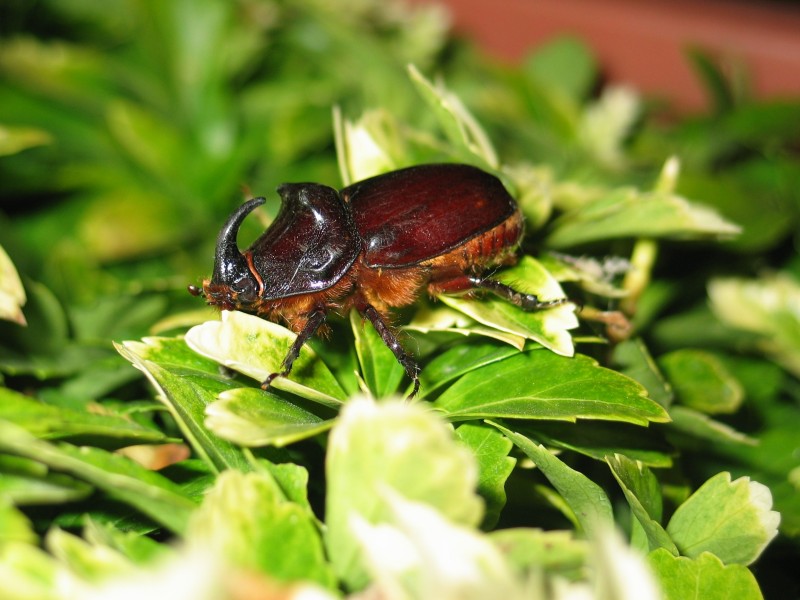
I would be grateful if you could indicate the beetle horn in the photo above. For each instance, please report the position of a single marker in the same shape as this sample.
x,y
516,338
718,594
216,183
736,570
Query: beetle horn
x,y
228,260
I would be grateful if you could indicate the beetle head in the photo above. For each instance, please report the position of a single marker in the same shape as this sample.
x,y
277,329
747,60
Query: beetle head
x,y
233,284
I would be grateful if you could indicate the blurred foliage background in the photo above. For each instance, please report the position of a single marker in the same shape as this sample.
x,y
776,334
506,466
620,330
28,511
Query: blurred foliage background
x,y
129,129
132,127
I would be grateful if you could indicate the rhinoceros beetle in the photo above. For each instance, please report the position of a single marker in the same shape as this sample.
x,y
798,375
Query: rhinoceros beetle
x,y
373,246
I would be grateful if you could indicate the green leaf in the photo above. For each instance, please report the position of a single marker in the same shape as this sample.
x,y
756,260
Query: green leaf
x,y
491,450
53,422
27,482
566,64
14,526
292,480
731,191
139,549
256,348
606,124
701,381
702,578
42,348
550,327
531,550
643,493
12,294
587,500
717,88
692,428
459,360
732,520
147,491
117,316
186,388
253,417
377,448
379,367
245,519
628,212
635,361
599,440
543,385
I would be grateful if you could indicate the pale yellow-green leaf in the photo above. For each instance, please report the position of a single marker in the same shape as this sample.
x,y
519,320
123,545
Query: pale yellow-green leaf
x,y
419,553
446,319
28,573
253,417
17,139
247,522
532,187
89,562
618,571
732,519
12,294
768,307
458,122
378,447
367,147
14,525
606,123
128,223
256,347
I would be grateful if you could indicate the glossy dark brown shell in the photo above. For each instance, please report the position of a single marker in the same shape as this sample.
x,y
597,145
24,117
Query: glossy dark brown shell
x,y
309,247
412,215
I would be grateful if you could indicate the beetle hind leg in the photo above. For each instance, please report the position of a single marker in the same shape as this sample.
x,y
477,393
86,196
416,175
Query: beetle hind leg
x,y
314,322
390,339
521,299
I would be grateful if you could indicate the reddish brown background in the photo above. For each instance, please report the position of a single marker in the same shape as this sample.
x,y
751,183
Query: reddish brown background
x,y
642,42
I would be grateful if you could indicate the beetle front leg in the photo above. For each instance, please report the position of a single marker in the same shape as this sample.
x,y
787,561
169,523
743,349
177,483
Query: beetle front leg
x,y
524,301
390,339
315,320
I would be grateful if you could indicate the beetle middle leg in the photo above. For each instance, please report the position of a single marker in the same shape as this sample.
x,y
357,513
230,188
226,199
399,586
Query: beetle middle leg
x,y
390,339
315,320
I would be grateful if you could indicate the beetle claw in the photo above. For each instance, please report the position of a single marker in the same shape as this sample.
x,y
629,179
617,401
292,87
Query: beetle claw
x,y
416,387
266,383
